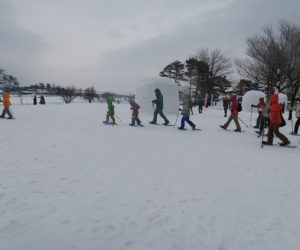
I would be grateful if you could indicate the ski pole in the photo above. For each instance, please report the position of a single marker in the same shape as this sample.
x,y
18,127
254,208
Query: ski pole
x,y
292,123
263,132
243,122
176,118
251,116
118,118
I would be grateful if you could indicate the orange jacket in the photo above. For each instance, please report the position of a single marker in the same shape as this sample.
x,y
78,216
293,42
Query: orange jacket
x,y
275,110
6,102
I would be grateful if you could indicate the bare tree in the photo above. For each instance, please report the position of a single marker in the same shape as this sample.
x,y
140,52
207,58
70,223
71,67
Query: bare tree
x,y
273,59
90,94
219,68
68,94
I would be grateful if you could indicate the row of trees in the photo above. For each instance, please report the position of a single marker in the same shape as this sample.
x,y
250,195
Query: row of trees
x,y
272,63
207,71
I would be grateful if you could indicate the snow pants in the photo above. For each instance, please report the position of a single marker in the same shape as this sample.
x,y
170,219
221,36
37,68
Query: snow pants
x,y
135,118
274,129
108,115
159,111
186,119
236,121
297,125
6,111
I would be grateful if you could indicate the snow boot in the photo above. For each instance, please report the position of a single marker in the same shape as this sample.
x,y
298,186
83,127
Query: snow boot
x,y
284,143
166,123
223,127
267,143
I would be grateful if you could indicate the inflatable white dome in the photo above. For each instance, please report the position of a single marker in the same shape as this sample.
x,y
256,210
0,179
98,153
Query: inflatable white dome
x,y
145,94
251,97
282,98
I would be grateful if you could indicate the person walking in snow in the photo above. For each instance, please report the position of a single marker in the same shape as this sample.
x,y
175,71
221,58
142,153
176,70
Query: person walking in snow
x,y
259,106
264,119
186,112
234,114
34,100
275,122
42,100
6,105
199,102
110,112
225,105
135,113
159,104
297,109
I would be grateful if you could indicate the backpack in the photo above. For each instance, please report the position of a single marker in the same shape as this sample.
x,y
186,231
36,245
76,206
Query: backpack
x,y
239,108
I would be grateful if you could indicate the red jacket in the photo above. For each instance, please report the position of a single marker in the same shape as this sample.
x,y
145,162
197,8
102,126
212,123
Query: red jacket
x,y
275,110
234,105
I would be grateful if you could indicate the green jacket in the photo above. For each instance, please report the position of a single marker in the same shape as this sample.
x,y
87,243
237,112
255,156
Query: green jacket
x,y
111,107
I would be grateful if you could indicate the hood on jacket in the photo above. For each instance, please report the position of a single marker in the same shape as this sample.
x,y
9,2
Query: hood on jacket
x,y
157,91
5,95
274,99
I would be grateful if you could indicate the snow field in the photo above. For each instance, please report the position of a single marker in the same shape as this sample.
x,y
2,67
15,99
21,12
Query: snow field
x,y
69,182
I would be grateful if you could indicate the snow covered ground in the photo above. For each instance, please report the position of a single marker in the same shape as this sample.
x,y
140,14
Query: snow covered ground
x,y
68,182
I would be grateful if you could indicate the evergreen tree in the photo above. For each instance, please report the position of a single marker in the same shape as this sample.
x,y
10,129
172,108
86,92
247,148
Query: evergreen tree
x,y
174,70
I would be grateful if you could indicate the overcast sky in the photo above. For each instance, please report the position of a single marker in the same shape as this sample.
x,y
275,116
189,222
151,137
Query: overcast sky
x,y
114,44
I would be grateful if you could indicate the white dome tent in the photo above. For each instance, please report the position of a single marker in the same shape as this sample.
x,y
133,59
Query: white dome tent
x,y
145,94
251,98
282,98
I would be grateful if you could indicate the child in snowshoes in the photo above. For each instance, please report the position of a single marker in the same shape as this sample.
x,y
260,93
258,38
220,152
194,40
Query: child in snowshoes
x,y
186,112
261,104
110,112
6,105
135,113
234,114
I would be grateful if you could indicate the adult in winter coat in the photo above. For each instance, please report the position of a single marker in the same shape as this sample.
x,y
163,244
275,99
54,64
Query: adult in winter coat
x,y
6,105
199,102
225,105
42,100
186,113
34,100
275,122
159,104
297,109
135,113
261,104
234,114
110,112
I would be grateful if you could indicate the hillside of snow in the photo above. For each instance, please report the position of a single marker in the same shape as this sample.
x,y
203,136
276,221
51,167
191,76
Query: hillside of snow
x,y
69,182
